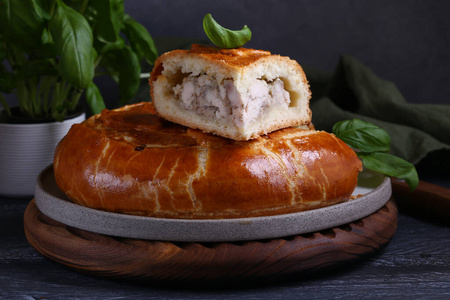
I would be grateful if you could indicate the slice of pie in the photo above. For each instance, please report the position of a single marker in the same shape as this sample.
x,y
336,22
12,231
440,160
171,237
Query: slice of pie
x,y
234,93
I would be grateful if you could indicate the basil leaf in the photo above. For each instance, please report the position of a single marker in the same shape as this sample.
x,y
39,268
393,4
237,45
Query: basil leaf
x,y
107,25
2,52
105,47
46,37
129,76
373,143
37,68
94,98
140,40
73,39
363,136
124,67
5,17
8,81
225,38
391,165
118,11
46,51
21,22
44,8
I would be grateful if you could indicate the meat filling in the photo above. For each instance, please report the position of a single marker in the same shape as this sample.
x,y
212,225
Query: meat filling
x,y
204,95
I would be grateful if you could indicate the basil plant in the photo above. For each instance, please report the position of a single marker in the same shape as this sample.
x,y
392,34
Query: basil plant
x,y
51,50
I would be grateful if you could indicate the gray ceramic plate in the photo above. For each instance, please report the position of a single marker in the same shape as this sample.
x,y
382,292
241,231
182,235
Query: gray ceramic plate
x,y
376,190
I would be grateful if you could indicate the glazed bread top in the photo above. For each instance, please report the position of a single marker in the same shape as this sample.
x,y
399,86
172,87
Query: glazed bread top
x,y
132,161
235,58
235,93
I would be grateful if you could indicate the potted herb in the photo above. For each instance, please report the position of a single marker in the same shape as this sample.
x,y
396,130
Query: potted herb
x,y
51,50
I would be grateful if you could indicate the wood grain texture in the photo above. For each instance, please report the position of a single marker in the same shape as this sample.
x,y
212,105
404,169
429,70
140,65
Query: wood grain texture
x,y
427,200
150,261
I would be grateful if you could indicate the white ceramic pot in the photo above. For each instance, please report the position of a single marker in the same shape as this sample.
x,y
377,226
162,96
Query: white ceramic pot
x,y
25,150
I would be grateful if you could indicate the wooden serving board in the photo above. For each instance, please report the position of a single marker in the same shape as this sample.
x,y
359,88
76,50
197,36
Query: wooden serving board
x,y
150,261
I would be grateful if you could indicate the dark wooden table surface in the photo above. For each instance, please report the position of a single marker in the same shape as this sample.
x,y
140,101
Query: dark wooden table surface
x,y
414,265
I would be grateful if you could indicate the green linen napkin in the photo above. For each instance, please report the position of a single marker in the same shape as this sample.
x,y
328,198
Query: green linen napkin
x,y
420,133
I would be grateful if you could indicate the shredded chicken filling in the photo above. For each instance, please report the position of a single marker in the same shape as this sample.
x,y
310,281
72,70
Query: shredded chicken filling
x,y
204,95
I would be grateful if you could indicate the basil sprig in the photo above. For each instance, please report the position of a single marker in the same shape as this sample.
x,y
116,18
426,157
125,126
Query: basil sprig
x,y
225,38
372,144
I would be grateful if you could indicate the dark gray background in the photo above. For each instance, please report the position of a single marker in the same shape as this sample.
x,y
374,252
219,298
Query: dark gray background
x,y
403,41
406,42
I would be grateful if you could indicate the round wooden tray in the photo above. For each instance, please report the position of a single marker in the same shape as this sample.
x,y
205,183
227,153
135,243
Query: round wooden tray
x,y
373,190
150,261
